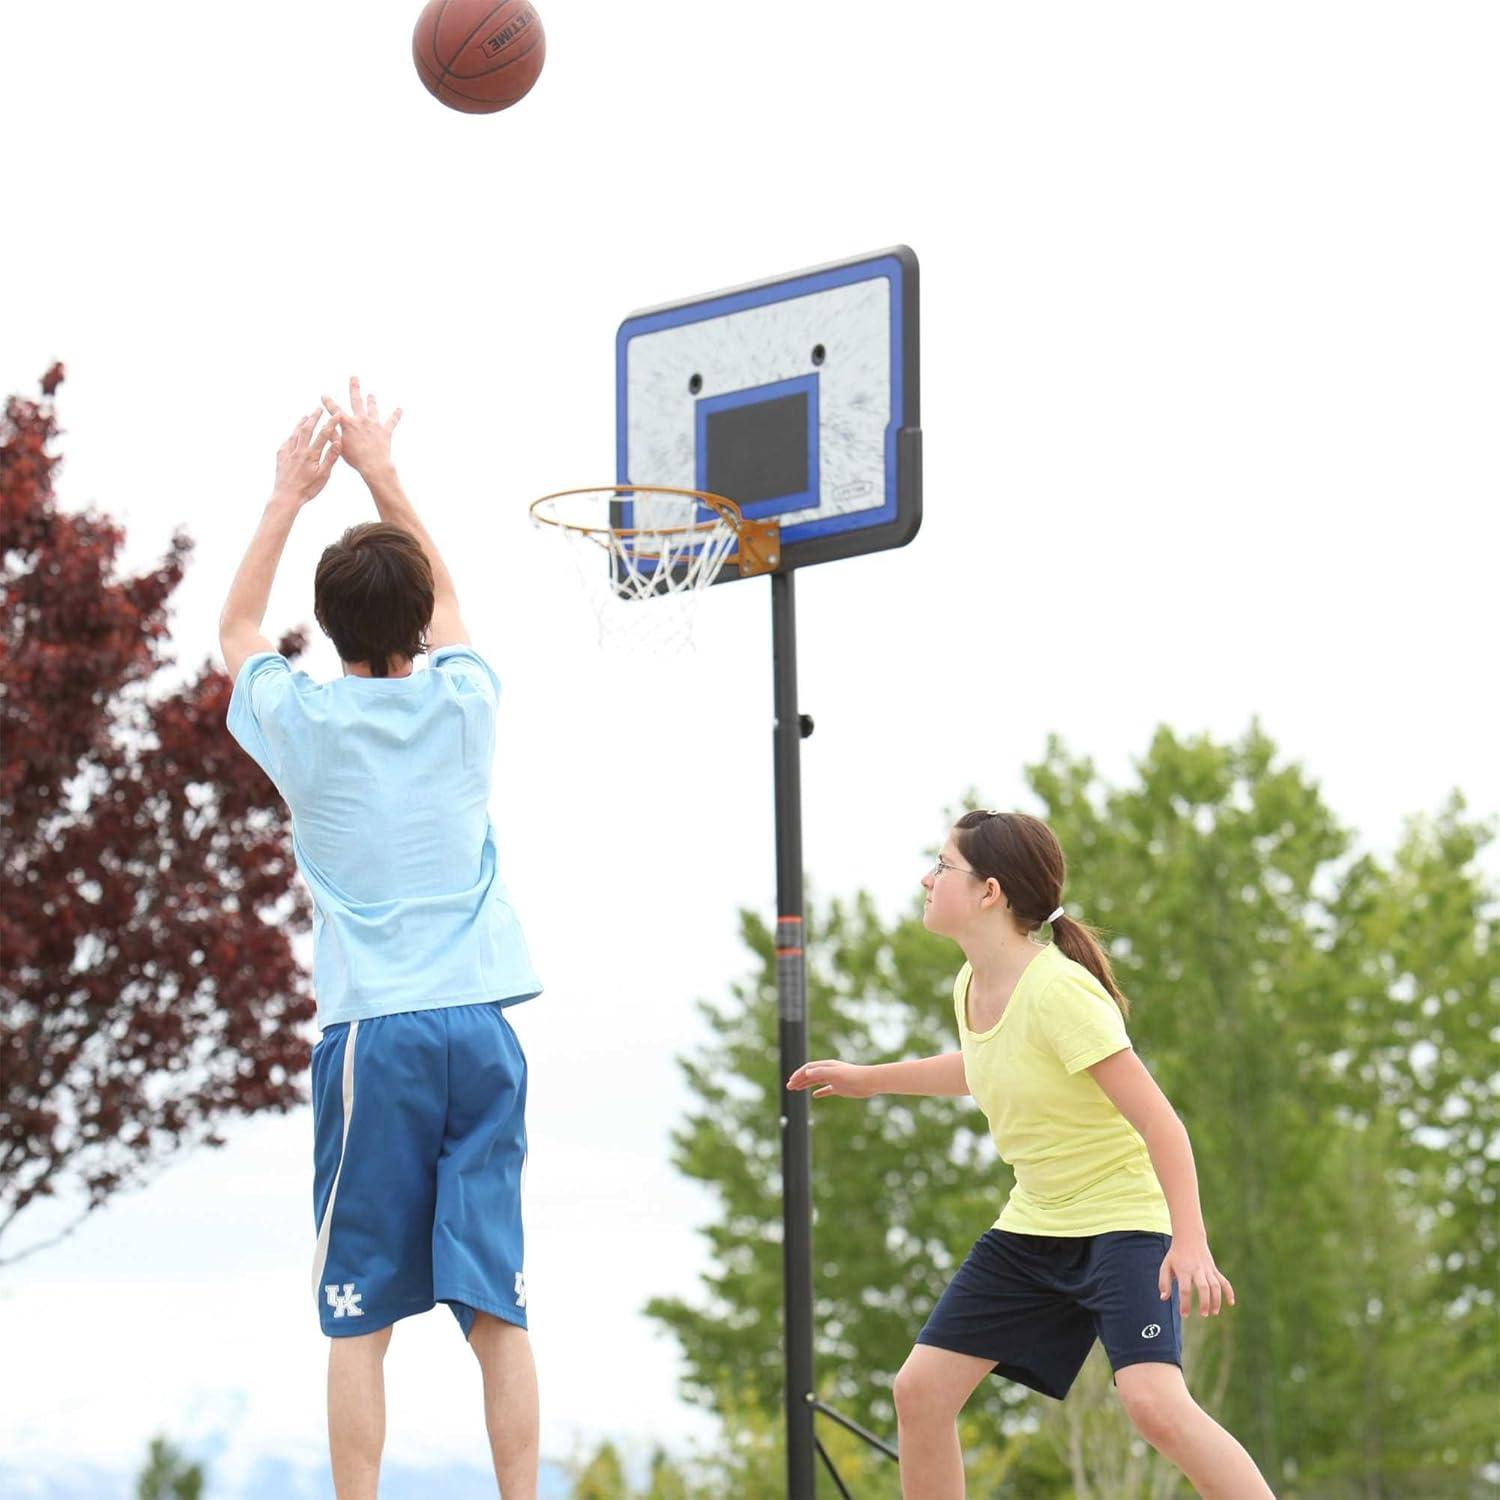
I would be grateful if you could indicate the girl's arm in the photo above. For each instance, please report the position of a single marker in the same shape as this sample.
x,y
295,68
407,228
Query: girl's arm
x,y
943,1074
1134,1092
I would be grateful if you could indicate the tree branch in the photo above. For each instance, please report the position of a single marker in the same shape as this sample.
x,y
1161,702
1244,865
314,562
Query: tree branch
x,y
57,1239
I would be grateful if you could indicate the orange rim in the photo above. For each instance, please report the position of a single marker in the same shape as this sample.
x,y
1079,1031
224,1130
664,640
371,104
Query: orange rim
x,y
724,511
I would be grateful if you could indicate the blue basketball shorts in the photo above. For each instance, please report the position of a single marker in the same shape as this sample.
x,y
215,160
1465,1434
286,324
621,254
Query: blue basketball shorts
x,y
419,1153
1035,1304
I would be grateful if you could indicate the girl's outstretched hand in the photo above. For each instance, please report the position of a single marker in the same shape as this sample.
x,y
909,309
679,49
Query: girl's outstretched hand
x,y
1189,1263
830,1076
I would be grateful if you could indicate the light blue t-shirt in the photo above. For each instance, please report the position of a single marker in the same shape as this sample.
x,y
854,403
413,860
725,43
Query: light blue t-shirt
x,y
388,782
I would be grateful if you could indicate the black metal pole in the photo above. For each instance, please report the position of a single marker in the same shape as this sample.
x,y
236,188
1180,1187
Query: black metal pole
x,y
791,1001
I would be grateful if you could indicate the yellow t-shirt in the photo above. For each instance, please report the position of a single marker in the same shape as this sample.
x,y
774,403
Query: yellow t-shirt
x,y
1081,1167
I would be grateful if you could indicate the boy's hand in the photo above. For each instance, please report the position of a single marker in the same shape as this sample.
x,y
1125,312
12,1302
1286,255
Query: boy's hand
x,y
830,1076
305,460
366,439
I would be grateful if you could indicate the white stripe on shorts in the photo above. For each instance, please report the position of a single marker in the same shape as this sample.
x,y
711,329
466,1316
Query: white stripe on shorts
x,y
320,1254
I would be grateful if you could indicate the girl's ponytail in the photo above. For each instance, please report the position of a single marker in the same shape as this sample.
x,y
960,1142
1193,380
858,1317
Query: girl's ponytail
x,y
1080,942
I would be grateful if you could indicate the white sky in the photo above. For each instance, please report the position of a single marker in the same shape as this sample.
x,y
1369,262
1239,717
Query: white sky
x,y
1209,389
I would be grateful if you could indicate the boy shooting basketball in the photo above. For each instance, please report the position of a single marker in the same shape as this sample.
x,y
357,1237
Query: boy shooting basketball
x,y
419,1083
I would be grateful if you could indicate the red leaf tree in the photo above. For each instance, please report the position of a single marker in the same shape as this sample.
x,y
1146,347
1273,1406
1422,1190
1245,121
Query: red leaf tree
x,y
148,987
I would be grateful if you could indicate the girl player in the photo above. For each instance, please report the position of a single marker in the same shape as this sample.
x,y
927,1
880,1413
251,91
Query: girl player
x,y
1103,1235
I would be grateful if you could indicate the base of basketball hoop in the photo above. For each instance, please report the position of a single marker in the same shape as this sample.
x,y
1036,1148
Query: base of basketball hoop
x,y
760,548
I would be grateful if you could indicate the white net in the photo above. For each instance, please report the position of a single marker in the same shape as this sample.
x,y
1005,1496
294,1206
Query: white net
x,y
660,551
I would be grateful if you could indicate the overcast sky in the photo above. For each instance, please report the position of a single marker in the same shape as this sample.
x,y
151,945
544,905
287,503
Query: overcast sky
x,y
1209,388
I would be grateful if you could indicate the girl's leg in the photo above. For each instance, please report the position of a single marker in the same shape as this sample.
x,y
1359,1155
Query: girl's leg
x,y
930,1391
1157,1401
356,1412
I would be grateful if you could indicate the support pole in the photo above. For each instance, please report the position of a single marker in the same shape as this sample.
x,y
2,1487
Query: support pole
x,y
791,1001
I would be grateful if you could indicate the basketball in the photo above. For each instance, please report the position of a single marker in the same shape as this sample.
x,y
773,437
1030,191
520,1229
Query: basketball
x,y
478,56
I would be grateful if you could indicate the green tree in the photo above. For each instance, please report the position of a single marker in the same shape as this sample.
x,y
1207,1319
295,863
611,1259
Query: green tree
x,y
601,1477
667,1480
1421,1042
1281,991
168,1475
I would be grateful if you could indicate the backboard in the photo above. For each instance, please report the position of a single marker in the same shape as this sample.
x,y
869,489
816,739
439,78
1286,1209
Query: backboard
x,y
797,398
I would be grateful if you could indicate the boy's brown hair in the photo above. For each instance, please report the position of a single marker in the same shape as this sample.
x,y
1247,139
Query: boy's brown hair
x,y
373,595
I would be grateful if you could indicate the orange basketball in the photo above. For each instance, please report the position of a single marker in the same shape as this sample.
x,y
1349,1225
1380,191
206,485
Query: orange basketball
x,y
478,56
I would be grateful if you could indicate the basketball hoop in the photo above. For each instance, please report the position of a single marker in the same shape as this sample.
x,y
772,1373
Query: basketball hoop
x,y
664,548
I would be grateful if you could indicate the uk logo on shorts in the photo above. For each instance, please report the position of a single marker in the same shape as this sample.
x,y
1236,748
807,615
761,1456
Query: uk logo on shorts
x,y
520,1289
345,1304
1151,1330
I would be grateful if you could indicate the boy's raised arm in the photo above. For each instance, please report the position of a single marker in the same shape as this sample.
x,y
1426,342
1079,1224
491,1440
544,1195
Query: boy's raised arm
x,y
366,448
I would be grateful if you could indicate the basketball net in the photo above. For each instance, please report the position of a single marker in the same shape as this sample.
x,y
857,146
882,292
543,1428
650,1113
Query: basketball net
x,y
646,588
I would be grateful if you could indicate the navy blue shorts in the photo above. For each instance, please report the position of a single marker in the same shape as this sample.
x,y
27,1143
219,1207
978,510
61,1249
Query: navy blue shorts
x,y
419,1124
1035,1304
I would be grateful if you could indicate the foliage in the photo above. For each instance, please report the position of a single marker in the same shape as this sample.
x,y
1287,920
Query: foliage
x,y
602,1476
168,1475
147,896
